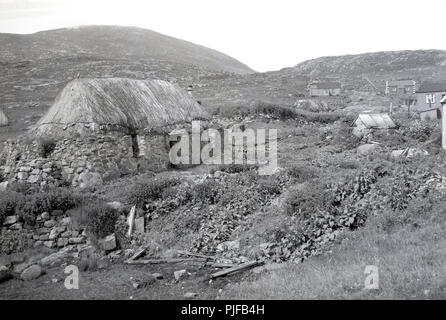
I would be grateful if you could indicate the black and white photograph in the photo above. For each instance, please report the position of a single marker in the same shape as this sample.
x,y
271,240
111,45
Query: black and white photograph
x,y
209,151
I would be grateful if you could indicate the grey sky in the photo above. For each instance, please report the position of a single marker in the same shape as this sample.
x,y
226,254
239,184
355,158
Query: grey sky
x,y
266,35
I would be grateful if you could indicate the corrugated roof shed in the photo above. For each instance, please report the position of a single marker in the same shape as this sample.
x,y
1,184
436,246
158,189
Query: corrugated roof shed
x,y
432,86
376,120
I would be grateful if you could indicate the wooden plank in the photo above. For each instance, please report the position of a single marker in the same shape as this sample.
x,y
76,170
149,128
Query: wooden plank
x,y
241,267
187,253
138,253
158,261
220,265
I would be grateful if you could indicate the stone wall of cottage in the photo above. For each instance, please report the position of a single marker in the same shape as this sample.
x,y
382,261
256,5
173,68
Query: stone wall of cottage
x,y
73,161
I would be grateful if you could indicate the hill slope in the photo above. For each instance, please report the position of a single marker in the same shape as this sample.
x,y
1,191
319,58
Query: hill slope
x,y
112,42
419,65
391,61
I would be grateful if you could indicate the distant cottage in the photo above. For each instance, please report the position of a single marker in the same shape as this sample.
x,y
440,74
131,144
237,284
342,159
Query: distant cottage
x,y
324,89
429,97
400,87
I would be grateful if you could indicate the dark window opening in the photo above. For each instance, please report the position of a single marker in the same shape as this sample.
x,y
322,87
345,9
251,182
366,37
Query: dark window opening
x,y
135,147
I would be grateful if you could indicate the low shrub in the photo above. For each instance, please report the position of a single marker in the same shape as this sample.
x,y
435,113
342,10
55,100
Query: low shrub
x,y
301,173
207,192
9,201
236,168
63,198
319,117
269,186
29,205
144,192
304,202
274,110
33,205
45,146
419,130
345,138
97,217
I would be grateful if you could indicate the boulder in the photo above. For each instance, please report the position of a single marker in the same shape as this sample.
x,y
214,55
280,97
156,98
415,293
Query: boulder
x,y
31,273
22,176
65,221
157,276
116,205
62,242
366,149
10,220
48,244
179,274
5,274
76,240
57,257
89,180
45,216
108,243
190,295
16,226
409,152
229,245
49,224
4,186
33,179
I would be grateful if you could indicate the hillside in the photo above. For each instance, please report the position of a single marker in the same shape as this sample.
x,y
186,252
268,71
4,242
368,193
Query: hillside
x,y
377,66
113,42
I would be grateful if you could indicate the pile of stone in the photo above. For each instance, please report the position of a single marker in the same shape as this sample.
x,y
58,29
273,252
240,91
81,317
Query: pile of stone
x,y
52,230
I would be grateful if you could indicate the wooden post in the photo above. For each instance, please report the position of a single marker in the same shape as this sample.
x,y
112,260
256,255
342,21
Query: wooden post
x,y
443,125
131,220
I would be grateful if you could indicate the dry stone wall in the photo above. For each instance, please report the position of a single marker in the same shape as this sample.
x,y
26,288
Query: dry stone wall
x,y
53,230
79,161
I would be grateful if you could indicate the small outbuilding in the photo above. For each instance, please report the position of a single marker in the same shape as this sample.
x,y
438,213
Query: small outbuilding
x,y
371,121
324,89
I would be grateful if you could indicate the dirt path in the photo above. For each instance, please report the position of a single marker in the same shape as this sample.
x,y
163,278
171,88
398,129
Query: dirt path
x,y
114,282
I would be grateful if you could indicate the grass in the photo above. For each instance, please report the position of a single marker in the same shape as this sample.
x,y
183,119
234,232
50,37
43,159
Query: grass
x,y
407,248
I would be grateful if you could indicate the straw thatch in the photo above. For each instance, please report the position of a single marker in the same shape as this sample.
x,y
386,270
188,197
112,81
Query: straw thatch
x,y
126,103
3,119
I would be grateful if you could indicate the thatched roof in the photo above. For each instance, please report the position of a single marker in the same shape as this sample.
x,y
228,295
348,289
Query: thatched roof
x,y
130,104
3,119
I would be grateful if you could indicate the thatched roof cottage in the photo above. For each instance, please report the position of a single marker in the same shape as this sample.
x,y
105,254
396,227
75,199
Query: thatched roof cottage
x,y
105,128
